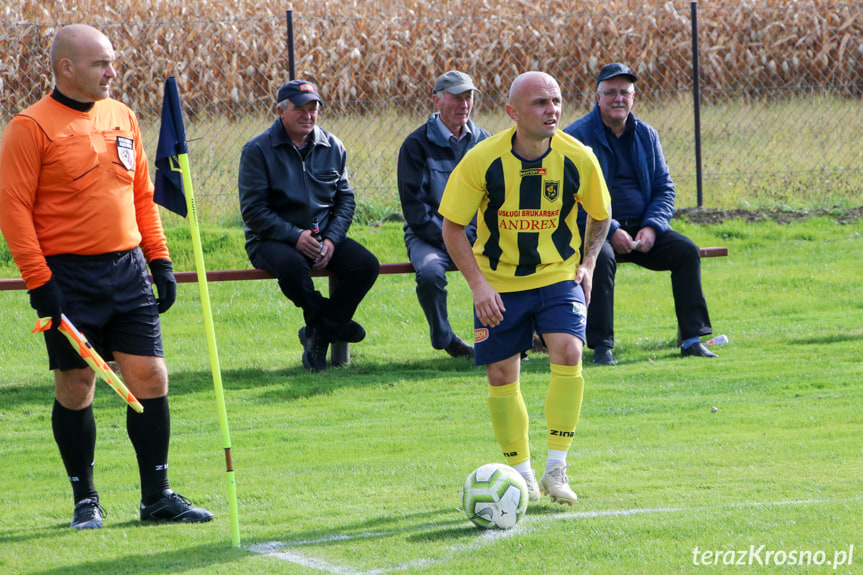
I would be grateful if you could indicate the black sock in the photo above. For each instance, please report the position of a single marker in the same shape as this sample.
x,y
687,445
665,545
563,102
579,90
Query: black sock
x,y
150,433
75,434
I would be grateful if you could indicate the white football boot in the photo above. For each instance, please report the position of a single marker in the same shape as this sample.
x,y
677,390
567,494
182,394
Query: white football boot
x,y
532,486
555,483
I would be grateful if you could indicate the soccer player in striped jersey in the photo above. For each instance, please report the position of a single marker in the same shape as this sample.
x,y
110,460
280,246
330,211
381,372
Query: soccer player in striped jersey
x,y
525,184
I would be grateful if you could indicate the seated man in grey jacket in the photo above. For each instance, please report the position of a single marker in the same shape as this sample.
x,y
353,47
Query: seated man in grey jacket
x,y
297,205
642,203
426,159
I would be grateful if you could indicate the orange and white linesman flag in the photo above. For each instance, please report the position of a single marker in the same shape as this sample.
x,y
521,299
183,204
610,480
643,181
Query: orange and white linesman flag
x,y
89,354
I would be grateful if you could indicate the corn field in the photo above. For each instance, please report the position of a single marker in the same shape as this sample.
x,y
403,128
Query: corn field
x,y
781,83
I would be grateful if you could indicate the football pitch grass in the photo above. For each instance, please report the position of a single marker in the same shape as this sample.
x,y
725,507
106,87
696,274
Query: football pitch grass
x,y
682,465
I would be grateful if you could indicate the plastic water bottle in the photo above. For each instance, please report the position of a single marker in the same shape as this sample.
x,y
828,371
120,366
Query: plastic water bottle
x,y
718,340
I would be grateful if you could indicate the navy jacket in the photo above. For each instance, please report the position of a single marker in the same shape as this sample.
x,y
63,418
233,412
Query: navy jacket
x,y
653,177
281,194
426,160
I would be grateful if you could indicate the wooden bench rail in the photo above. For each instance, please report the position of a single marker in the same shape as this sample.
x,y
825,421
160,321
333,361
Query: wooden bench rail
x,y
7,284
339,351
254,274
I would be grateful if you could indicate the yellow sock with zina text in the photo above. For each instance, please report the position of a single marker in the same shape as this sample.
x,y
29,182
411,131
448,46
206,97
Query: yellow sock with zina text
x,y
563,405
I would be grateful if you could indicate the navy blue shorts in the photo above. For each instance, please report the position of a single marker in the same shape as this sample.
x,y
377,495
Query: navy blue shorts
x,y
558,308
110,299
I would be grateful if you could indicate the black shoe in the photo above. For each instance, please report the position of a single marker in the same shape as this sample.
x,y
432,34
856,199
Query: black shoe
x,y
314,349
538,344
88,514
458,348
698,350
352,332
174,507
603,357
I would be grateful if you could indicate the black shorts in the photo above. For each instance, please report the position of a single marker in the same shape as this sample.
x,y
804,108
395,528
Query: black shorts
x,y
110,299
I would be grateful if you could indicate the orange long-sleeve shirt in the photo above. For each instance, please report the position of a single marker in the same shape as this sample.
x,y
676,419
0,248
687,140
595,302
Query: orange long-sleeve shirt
x,y
75,183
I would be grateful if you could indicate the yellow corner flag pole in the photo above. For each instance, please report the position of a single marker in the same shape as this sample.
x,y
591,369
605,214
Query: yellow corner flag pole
x,y
173,129
214,352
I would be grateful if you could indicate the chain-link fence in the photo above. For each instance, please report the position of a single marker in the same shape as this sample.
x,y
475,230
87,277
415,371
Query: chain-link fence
x,y
781,89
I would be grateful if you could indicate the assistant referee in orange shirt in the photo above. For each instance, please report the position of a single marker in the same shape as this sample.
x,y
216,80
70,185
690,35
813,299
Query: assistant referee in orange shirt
x,y
77,212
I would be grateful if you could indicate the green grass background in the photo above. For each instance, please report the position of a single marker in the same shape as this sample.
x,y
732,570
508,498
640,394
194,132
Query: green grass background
x,y
359,469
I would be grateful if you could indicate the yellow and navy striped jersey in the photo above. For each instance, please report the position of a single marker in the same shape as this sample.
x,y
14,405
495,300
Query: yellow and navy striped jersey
x,y
527,236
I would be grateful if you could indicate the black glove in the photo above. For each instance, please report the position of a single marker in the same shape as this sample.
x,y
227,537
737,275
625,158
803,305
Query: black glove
x,y
166,285
47,300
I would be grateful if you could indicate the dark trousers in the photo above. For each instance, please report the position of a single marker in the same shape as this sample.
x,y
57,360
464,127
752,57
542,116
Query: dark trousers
x,y
672,252
354,267
431,264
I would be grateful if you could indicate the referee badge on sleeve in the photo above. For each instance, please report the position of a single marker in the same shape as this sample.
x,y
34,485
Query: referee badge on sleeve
x,y
126,151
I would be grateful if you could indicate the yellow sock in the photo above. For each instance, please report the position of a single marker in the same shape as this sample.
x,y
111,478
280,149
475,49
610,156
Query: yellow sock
x,y
563,405
509,420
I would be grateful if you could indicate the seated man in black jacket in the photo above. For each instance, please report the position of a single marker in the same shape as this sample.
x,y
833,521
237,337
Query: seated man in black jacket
x,y
297,204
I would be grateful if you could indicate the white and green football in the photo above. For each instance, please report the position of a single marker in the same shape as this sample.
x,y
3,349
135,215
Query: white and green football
x,y
494,496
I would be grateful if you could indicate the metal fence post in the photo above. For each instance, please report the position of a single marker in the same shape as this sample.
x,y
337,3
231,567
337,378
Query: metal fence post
x,y
696,102
292,71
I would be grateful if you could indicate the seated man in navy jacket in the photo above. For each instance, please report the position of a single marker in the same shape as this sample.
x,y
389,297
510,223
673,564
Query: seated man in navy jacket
x,y
426,159
642,203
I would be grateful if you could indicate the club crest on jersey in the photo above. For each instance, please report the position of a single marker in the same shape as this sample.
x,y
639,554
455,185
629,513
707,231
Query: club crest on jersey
x,y
552,190
126,151
480,334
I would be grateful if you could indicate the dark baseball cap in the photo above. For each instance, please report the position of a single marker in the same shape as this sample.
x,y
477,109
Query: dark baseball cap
x,y
614,70
299,92
454,82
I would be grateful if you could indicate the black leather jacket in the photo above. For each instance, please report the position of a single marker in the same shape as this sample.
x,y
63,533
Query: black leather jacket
x,y
281,194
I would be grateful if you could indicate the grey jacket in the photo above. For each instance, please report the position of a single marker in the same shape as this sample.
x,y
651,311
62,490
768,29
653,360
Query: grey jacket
x,y
281,194
426,160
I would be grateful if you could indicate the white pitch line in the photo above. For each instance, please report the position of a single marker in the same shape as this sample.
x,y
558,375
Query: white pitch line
x,y
317,564
617,512
626,512
272,550
276,550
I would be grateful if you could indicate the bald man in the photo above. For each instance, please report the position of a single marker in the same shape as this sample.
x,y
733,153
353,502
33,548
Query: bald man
x,y
77,212
525,185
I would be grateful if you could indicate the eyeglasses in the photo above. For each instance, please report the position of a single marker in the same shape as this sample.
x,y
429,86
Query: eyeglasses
x,y
615,93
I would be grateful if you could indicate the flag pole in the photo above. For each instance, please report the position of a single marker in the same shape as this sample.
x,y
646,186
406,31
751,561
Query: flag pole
x,y
183,159
214,353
